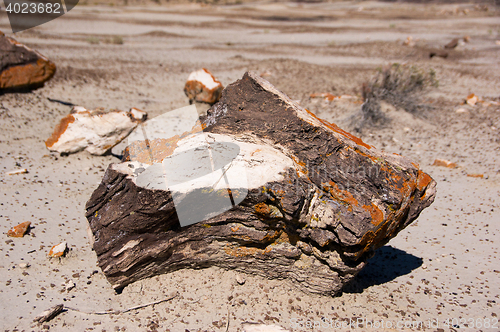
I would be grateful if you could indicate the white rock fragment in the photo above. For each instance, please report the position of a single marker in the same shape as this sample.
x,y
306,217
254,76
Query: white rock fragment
x,y
17,171
24,265
58,250
96,131
203,87
69,285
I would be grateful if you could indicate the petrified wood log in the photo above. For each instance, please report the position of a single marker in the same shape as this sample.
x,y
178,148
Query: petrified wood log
x,y
309,201
22,67
96,131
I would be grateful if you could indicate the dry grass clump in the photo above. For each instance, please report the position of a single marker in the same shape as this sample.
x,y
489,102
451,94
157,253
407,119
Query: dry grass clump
x,y
403,86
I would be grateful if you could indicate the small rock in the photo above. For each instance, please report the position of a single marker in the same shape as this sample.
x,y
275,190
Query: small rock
x,y
409,41
475,175
17,171
69,285
24,265
461,110
439,53
452,44
466,39
255,327
472,99
240,280
203,87
19,230
58,250
96,131
444,163
49,314
22,67
266,74
497,42
406,129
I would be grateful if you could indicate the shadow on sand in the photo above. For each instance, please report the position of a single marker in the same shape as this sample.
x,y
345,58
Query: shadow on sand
x,y
387,264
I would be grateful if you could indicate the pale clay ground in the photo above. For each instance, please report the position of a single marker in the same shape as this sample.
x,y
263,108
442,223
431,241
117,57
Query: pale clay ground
x,y
444,266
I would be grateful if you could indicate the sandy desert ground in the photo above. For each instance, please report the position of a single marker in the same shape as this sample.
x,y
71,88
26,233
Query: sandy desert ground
x,y
443,270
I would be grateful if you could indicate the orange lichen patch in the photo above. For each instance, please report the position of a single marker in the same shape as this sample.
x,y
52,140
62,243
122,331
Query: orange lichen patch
x,y
444,163
337,129
341,195
28,74
475,175
235,228
152,151
372,158
59,130
262,209
19,230
423,180
301,165
376,213
271,236
376,236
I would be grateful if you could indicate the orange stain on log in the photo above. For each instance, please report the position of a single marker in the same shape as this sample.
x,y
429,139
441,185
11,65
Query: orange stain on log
x,y
59,130
376,213
159,149
338,130
341,195
423,180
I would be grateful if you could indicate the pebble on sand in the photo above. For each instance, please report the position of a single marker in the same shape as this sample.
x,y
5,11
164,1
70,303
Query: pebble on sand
x,y
444,163
19,230
58,250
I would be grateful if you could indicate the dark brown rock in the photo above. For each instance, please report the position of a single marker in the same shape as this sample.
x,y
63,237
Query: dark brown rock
x,y
452,44
439,53
318,201
22,67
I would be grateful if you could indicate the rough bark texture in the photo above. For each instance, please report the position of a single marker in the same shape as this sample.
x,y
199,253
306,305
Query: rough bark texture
x,y
22,67
315,223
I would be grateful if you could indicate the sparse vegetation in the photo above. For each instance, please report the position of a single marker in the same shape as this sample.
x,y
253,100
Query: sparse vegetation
x,y
93,40
403,86
117,40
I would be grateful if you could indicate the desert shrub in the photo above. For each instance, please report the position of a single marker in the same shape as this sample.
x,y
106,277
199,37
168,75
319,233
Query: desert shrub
x,y
93,40
403,86
117,40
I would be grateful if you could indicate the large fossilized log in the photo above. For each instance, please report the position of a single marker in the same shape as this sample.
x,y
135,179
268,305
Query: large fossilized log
x,y
22,67
309,202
